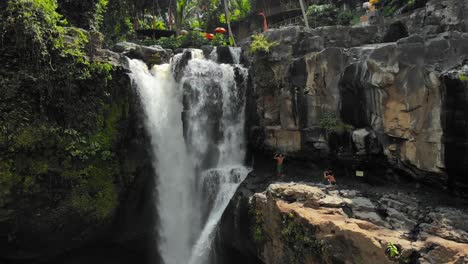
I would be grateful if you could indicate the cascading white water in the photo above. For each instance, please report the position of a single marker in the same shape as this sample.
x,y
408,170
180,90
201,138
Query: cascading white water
x,y
235,53
162,103
198,174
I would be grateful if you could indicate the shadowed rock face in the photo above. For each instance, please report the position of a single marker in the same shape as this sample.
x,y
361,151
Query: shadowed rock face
x,y
455,118
307,103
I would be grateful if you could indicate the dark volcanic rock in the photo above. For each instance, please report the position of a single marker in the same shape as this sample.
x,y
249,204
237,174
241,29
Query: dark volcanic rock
x,y
397,30
224,55
308,104
455,118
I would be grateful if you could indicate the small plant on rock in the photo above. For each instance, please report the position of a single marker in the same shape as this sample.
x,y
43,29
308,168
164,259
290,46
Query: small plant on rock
x,y
332,123
463,77
261,44
392,250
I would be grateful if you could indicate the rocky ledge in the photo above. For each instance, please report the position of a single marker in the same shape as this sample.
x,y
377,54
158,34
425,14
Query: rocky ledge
x,y
312,223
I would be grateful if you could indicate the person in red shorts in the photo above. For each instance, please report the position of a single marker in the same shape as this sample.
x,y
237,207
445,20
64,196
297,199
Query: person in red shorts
x,y
329,176
279,163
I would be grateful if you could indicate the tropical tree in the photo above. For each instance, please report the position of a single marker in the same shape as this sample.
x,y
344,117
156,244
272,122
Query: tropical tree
x,y
226,10
186,12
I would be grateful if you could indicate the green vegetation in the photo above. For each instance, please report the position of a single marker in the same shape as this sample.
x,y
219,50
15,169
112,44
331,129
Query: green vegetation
x,y
332,123
59,127
117,21
463,77
258,233
322,15
101,7
122,17
392,250
38,27
328,15
219,40
86,163
345,17
301,240
193,39
239,9
261,44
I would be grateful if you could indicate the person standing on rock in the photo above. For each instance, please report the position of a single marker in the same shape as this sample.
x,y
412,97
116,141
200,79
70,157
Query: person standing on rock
x,y
329,176
279,163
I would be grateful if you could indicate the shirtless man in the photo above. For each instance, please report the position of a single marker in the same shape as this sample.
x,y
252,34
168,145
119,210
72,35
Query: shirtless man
x,y
328,175
279,163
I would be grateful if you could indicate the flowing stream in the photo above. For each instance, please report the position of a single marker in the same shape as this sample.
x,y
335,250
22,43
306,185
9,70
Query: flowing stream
x,y
196,127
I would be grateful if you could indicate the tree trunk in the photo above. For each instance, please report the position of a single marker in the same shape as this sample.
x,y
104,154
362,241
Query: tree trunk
x,y
304,13
228,21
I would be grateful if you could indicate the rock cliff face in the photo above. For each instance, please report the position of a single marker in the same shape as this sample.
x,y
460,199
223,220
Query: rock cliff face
x,y
338,93
388,100
297,223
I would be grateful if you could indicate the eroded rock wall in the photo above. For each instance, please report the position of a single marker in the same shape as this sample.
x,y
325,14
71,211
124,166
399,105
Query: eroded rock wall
x,y
337,92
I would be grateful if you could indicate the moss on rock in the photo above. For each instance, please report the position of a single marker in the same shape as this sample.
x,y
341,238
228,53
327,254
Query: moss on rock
x,y
59,129
301,240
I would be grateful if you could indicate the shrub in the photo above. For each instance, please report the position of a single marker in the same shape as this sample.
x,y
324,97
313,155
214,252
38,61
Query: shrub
x,y
322,15
193,39
164,42
345,17
261,44
330,122
219,40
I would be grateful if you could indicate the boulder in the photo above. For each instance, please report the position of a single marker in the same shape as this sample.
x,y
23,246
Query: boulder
x,y
295,192
395,31
288,231
224,55
150,55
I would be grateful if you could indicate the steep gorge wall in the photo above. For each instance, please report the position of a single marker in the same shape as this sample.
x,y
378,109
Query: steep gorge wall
x,y
337,93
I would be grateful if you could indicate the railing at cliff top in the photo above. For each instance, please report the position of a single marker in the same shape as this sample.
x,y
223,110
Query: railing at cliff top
x,y
295,21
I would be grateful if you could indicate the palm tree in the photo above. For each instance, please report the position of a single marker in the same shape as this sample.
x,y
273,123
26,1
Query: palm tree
x,y
228,21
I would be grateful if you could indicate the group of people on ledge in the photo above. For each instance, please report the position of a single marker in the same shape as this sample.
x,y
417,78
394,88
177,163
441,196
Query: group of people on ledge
x,y
328,174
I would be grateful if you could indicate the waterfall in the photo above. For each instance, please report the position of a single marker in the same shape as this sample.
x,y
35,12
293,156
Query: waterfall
x,y
197,136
